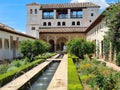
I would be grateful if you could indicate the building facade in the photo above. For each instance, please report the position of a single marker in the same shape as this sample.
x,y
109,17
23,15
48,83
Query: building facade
x,y
10,41
58,23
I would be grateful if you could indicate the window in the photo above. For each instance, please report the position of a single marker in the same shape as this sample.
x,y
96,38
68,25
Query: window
x,y
63,23
0,43
33,28
49,23
73,23
78,23
44,24
31,11
6,44
58,23
91,14
77,14
48,14
35,11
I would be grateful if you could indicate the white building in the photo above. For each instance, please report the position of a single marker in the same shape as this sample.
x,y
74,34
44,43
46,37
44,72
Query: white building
x,y
10,41
41,16
95,32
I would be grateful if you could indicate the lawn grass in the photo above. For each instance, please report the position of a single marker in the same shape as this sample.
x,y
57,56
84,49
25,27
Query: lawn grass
x,y
73,79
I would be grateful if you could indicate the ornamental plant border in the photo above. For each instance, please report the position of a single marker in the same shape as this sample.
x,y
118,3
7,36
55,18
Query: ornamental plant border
x,y
73,79
7,77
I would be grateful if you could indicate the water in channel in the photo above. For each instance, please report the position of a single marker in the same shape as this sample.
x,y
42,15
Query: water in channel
x,y
44,79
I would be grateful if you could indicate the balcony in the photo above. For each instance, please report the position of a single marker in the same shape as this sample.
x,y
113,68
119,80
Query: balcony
x,y
76,16
62,16
48,17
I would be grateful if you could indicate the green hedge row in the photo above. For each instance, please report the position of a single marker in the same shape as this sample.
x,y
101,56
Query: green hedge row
x,y
7,77
73,79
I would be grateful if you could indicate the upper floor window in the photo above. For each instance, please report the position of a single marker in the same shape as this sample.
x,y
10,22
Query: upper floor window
x,y
35,11
48,14
73,23
63,23
77,14
59,24
62,14
33,28
44,24
78,23
92,14
49,23
31,11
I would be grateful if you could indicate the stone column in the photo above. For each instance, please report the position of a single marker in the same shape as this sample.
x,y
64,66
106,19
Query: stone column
x,y
47,39
55,41
69,13
41,14
55,14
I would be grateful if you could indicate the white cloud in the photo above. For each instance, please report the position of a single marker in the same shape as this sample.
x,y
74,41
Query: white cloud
x,y
102,3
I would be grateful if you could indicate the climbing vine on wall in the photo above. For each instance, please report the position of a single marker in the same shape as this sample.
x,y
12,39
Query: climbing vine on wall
x,y
106,47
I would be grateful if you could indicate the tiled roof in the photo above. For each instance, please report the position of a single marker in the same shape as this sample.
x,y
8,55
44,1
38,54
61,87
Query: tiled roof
x,y
8,29
66,5
62,30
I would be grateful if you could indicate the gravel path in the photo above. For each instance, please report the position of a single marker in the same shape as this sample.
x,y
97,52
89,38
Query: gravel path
x,y
111,65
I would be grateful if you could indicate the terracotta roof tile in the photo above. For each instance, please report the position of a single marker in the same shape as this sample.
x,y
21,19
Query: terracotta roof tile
x,y
65,5
68,5
62,30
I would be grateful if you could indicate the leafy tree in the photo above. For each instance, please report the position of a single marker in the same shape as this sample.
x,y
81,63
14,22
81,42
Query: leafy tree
x,y
26,48
80,47
112,18
31,49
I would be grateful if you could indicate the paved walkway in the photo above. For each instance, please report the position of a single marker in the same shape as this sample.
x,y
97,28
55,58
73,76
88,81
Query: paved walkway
x,y
111,65
59,80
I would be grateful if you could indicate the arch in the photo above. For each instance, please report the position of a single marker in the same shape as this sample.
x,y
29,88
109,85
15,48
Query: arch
x,y
49,23
78,22
52,45
58,23
63,23
44,24
73,23
35,11
60,43
31,11
6,44
0,43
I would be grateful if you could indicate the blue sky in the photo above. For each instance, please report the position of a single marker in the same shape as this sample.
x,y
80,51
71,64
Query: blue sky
x,y
13,12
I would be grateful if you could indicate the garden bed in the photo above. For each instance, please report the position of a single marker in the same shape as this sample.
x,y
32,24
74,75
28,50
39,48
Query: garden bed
x,y
96,76
73,79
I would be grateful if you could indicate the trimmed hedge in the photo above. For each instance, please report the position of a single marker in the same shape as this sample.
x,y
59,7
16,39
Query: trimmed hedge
x,y
73,79
7,77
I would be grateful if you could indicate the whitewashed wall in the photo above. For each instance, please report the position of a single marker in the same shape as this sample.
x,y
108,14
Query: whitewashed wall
x,y
97,34
8,53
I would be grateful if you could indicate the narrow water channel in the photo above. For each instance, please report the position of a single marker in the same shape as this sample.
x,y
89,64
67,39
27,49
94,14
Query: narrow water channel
x,y
44,79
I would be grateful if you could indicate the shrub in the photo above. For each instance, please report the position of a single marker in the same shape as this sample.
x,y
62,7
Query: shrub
x,y
80,47
118,59
73,83
7,77
31,49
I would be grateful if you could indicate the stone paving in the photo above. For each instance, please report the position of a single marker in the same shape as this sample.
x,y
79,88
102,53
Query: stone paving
x,y
59,80
111,65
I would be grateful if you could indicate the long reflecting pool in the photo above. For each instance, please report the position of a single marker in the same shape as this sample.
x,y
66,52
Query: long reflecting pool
x,y
43,80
